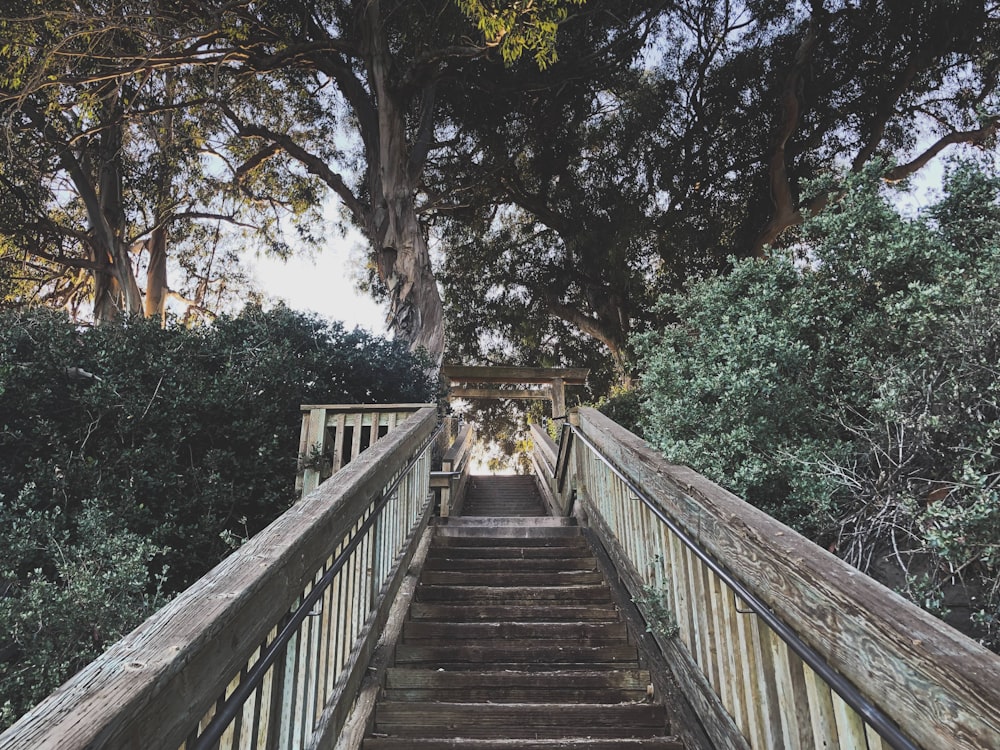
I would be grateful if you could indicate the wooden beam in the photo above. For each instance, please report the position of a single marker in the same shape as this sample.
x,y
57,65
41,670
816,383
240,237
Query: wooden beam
x,y
498,393
459,374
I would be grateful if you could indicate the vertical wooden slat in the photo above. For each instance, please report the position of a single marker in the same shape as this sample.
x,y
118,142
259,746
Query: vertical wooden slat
x,y
795,722
679,579
754,700
715,603
850,726
356,437
875,741
734,659
767,684
338,442
821,716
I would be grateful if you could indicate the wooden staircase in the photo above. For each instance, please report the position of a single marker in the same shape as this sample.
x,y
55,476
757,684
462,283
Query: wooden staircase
x,y
513,640
503,496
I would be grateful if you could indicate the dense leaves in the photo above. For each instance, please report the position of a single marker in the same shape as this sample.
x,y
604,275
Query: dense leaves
x,y
852,391
132,458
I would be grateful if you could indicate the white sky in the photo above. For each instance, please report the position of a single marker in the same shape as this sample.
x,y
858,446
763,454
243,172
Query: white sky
x,y
323,283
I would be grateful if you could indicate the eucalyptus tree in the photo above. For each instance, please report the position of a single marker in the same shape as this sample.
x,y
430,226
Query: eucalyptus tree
x,y
113,158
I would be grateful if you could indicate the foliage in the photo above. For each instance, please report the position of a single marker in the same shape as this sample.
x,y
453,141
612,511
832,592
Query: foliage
x,y
852,392
133,457
520,27
578,203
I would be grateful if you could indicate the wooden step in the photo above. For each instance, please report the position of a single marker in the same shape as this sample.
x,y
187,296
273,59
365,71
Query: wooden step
x,y
517,686
517,720
552,611
584,632
509,564
577,743
507,552
524,653
512,578
577,594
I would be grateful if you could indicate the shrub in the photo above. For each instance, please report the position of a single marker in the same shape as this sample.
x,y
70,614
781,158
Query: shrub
x,y
852,391
132,458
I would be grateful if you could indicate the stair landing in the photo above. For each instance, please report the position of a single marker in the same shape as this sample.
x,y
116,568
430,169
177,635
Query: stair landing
x,y
513,640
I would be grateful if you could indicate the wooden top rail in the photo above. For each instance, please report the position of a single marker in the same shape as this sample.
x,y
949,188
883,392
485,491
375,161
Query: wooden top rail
x,y
458,453
352,408
941,688
152,687
545,447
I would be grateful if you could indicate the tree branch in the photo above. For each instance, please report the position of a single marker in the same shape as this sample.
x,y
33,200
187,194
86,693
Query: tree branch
x,y
313,164
974,137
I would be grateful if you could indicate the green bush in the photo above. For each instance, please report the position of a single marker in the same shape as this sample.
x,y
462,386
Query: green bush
x,y
132,458
852,390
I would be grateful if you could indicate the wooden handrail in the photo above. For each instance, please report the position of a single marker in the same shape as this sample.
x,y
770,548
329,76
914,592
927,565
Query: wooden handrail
x,y
155,687
455,466
940,688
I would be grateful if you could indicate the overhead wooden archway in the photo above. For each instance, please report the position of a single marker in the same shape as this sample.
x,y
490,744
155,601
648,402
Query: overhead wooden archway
x,y
480,382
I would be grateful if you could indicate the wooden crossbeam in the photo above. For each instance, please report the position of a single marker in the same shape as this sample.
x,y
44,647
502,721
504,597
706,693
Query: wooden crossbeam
x,y
499,393
459,374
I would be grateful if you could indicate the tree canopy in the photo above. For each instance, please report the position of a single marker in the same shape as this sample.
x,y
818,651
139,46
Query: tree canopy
x,y
852,393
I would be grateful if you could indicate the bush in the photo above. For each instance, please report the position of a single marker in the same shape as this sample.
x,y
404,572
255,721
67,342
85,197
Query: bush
x,y
853,391
132,458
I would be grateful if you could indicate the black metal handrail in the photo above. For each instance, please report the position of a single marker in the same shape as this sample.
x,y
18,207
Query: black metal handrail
x,y
872,714
233,705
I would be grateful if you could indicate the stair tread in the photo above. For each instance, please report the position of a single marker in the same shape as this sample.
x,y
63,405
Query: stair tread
x,y
583,743
513,639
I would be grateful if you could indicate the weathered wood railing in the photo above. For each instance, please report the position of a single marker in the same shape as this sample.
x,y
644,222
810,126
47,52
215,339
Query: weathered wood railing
x,y
268,649
454,475
776,642
333,435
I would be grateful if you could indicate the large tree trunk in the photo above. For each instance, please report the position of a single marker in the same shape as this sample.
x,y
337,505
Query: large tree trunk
x,y
398,241
116,290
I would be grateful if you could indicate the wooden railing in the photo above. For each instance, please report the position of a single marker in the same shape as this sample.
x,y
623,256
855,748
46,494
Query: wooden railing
x,y
333,435
268,649
451,481
776,642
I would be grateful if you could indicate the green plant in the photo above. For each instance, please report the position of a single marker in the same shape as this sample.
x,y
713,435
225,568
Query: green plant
x,y
852,390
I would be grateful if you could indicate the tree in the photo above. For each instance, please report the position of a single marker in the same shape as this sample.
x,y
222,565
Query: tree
x,y
560,242
114,151
733,106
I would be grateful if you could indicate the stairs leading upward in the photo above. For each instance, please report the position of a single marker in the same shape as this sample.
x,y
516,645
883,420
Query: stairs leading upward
x,y
513,641
510,495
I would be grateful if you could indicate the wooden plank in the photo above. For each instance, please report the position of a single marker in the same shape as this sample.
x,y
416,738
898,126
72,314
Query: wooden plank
x,y
340,425
850,726
461,392
824,723
151,687
472,374
942,688
350,408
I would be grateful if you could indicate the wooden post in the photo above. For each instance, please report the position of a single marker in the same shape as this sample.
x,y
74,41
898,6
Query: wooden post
x,y
557,394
